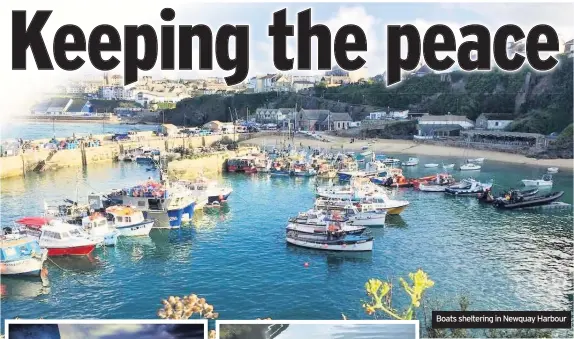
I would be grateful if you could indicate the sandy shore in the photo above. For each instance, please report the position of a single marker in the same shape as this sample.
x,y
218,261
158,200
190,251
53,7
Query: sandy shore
x,y
408,147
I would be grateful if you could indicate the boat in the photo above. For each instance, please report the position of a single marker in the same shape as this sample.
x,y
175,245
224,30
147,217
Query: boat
x,y
411,162
514,200
129,221
148,156
313,222
21,255
449,166
381,203
431,165
545,181
470,167
487,196
333,239
475,161
352,215
58,237
467,187
391,161
326,172
245,164
206,191
552,170
303,170
96,225
357,217
431,187
169,204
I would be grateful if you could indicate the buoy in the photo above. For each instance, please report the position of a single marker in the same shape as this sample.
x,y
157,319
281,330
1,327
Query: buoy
x,y
306,264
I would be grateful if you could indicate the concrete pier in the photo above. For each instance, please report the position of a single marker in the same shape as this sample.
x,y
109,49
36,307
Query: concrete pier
x,y
46,159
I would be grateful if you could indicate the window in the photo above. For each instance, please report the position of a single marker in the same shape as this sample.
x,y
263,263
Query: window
x,y
496,123
141,203
119,219
128,219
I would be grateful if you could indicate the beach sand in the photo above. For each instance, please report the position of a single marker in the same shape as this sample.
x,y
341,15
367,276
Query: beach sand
x,y
409,147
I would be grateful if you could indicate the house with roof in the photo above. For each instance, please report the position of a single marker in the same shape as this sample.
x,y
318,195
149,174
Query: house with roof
x,y
274,115
432,126
322,120
494,121
422,70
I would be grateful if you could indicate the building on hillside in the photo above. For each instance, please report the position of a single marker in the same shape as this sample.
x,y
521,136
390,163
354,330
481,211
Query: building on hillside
x,y
494,121
273,115
128,111
301,85
389,115
169,129
58,106
116,93
432,126
506,139
422,70
40,108
75,88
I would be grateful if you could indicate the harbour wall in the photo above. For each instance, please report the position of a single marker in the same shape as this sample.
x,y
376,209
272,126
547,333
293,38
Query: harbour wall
x,y
45,159
208,165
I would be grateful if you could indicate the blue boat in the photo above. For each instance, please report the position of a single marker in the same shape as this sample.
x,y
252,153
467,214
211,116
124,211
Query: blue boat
x,y
21,255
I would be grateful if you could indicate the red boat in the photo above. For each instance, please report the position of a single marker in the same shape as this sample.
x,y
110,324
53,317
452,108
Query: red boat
x,y
244,164
57,237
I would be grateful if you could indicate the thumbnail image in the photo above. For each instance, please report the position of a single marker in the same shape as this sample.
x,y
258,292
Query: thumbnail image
x,y
320,330
106,331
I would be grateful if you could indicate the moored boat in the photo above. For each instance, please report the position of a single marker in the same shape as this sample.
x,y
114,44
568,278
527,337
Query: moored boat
x,y
96,225
545,181
21,255
515,201
470,167
468,187
411,162
432,165
129,221
552,170
59,238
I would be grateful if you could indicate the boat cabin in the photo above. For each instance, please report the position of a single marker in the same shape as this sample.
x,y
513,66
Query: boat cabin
x,y
125,215
58,231
16,246
95,222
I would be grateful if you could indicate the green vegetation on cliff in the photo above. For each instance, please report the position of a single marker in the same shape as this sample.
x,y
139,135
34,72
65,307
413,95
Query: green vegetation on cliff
x,y
541,102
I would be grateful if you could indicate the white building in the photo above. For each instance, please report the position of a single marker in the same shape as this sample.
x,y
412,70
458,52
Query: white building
x,y
398,115
116,93
302,84
274,115
494,121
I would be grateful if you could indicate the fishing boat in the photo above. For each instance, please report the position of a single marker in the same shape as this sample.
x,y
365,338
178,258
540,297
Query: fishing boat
x,y
431,165
313,222
245,164
148,156
21,255
411,162
515,201
381,203
333,239
326,172
129,221
352,215
169,204
545,181
467,187
206,191
391,161
470,167
59,238
552,170
303,170
96,225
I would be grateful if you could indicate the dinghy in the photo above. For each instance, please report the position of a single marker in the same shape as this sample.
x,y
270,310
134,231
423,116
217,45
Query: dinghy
x,y
449,166
514,200
553,170
468,187
411,162
431,165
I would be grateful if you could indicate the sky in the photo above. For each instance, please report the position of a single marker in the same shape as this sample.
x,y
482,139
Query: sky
x,y
355,331
21,87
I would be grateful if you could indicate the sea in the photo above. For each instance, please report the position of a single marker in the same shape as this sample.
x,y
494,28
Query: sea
x,y
237,258
31,130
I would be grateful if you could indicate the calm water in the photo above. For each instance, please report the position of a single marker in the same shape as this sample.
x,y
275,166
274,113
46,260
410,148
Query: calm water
x,y
41,130
239,260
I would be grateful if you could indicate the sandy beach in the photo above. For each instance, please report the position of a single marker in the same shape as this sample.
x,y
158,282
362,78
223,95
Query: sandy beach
x,y
409,147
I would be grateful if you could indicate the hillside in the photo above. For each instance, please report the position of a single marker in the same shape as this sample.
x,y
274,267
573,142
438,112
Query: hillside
x,y
542,102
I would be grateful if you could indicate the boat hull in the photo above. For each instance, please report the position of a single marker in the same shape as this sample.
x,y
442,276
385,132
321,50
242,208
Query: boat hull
x,y
537,183
367,221
171,219
340,247
395,210
141,229
31,266
77,250
534,202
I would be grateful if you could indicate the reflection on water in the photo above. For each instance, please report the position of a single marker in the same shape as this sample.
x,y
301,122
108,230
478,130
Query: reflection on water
x,y
23,288
239,261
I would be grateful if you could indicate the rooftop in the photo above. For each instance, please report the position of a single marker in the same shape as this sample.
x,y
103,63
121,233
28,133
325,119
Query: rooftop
x,y
498,116
444,118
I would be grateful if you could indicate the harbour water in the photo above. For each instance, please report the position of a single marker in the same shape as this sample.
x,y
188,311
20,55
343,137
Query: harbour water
x,y
31,130
359,331
239,261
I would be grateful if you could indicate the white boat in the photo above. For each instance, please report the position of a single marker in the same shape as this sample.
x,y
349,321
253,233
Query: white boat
x,y
359,218
470,167
476,161
468,187
431,187
332,238
411,162
58,237
96,225
546,181
129,221
381,203
21,255
314,223
391,161
431,165
553,170
449,166
354,218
